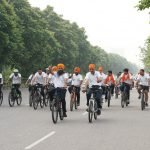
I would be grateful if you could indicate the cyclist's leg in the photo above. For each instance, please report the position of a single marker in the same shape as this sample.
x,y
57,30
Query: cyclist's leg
x,y
146,95
128,91
112,89
63,98
78,95
139,91
98,98
17,86
106,92
88,95
0,88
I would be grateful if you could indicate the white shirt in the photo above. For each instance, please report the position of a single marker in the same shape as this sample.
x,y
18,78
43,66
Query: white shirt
x,y
143,80
1,77
15,79
76,79
51,78
92,79
39,79
59,81
102,78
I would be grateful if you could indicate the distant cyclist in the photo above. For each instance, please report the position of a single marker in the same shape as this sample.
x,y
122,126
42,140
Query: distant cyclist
x,y
126,81
93,78
16,80
143,83
76,82
1,82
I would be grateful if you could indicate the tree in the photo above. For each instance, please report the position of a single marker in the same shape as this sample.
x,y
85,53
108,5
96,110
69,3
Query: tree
x,y
143,4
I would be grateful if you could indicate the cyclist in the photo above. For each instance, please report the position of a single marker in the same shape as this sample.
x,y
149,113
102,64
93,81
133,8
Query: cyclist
x,y
60,81
143,83
126,81
40,80
1,82
76,82
118,82
16,80
93,78
30,80
111,82
102,79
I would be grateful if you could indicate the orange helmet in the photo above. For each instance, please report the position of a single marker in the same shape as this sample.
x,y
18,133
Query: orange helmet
x,y
61,66
92,66
77,69
54,68
100,68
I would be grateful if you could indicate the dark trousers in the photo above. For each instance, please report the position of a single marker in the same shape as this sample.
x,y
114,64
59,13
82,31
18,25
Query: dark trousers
x,y
1,85
17,86
126,87
61,93
97,97
111,89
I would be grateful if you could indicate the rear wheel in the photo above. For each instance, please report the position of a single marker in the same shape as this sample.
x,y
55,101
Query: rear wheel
x,y
122,100
35,101
54,111
11,100
90,115
1,98
42,102
30,99
46,99
19,100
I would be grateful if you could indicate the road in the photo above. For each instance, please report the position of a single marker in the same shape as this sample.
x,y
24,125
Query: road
x,y
116,129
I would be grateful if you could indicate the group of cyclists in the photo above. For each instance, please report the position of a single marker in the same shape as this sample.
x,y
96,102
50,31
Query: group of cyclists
x,y
56,78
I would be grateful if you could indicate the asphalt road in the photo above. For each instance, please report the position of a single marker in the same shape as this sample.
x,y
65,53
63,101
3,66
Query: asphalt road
x,y
22,128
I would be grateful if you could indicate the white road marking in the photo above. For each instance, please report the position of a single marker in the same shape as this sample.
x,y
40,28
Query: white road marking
x,y
40,140
85,113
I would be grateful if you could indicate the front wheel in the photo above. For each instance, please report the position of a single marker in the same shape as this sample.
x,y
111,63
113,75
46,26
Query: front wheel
x,y
1,98
19,100
61,115
109,97
54,112
71,102
90,115
95,111
142,103
122,101
35,101
11,100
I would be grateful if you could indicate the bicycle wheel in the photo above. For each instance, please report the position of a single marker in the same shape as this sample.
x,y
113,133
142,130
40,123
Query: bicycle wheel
x,y
90,115
54,111
61,116
75,103
1,98
35,101
122,100
11,100
42,102
109,97
142,103
19,100
46,99
71,102
50,105
95,111
30,99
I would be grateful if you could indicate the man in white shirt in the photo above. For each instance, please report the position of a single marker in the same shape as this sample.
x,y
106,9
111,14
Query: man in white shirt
x,y
93,78
143,83
16,80
60,83
1,81
76,82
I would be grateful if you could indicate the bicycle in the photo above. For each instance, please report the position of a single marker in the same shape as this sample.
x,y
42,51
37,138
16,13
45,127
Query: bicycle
x,y
37,97
93,108
108,94
31,92
116,92
73,100
124,97
14,96
57,106
1,97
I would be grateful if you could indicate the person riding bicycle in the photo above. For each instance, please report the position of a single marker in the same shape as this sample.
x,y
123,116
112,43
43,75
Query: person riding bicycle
x,y
93,78
102,78
16,80
40,80
110,81
60,81
118,82
76,82
1,81
126,81
143,83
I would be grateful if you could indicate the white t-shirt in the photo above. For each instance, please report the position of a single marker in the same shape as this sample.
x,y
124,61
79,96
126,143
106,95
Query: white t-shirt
x,y
76,79
39,79
143,80
102,78
1,77
51,78
15,79
59,81
92,79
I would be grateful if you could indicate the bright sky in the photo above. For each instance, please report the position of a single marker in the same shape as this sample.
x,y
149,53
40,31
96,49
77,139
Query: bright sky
x,y
114,25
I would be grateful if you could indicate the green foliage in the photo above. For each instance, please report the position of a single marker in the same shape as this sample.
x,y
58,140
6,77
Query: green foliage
x,y
31,38
7,72
143,4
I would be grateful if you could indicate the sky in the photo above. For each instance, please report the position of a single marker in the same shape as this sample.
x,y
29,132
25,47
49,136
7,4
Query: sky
x,y
114,25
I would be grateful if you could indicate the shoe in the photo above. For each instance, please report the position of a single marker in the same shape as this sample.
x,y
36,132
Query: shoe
x,y
64,114
99,111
